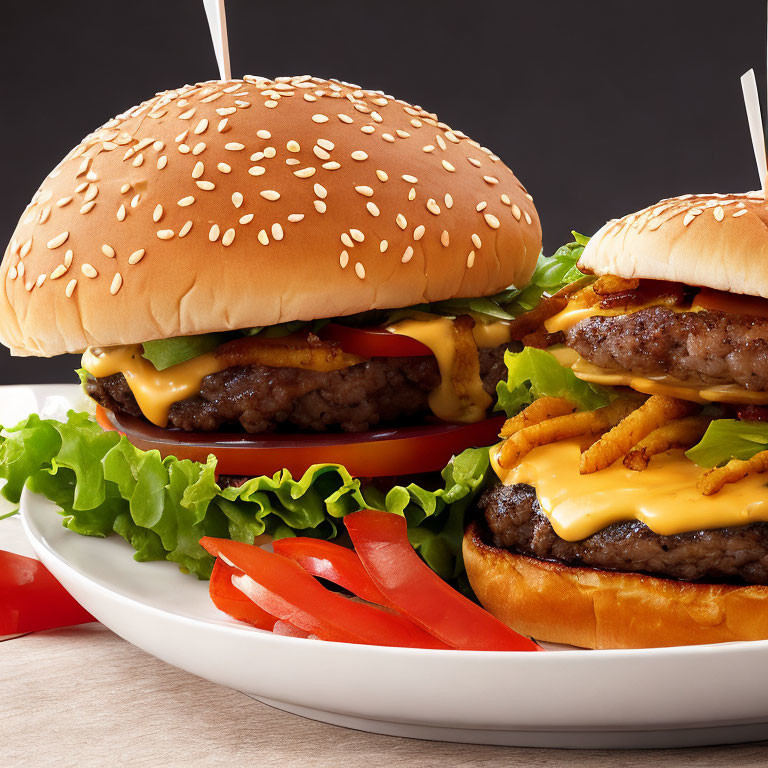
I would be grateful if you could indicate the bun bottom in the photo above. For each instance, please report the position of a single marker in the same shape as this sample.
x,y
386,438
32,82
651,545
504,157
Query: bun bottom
x,y
590,608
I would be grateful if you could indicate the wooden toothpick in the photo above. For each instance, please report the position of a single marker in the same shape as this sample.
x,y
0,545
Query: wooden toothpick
x,y
217,21
756,130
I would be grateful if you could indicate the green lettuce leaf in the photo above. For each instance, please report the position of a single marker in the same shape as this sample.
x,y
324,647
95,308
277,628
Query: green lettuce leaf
x,y
535,373
727,439
163,353
163,507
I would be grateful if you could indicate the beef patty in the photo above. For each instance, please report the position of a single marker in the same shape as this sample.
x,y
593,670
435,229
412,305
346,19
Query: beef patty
x,y
258,398
736,555
705,347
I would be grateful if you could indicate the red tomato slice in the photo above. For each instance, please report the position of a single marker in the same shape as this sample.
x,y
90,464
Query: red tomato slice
x,y
285,590
374,342
384,453
332,562
732,303
31,600
381,541
287,629
230,600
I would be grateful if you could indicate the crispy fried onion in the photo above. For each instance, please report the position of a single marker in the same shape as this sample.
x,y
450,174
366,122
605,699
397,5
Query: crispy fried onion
x,y
679,433
713,480
295,351
539,410
465,372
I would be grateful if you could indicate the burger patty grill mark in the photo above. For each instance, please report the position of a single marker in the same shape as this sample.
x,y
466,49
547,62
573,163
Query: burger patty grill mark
x,y
516,522
706,347
260,398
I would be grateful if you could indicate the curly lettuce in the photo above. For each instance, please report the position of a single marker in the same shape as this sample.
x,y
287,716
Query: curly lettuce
x,y
727,439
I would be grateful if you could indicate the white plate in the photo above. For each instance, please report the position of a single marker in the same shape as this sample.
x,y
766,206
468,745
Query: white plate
x,y
645,698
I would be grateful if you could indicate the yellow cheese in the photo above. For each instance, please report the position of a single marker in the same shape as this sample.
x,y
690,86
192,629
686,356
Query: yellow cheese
x,y
664,496
658,385
155,391
437,333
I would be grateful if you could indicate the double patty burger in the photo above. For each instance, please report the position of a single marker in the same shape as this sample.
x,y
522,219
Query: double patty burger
x,y
281,273
643,521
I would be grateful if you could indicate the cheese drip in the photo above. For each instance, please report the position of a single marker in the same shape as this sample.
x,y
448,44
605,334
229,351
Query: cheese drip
x,y
155,391
664,496
438,334
657,385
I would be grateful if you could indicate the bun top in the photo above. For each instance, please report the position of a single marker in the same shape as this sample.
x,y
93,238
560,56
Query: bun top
x,y
714,241
226,205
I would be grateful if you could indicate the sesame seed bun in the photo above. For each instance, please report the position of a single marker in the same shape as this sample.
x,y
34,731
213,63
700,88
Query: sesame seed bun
x,y
590,608
713,241
226,205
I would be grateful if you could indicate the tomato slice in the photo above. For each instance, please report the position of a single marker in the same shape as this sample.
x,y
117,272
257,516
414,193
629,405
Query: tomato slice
x,y
383,453
230,600
374,342
332,562
732,303
285,590
31,600
381,541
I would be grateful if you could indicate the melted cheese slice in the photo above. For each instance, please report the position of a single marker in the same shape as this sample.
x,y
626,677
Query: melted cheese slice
x,y
155,391
657,385
664,496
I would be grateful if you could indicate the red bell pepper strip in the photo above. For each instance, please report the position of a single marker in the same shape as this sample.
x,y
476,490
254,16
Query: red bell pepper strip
x,y
381,541
229,599
332,562
284,589
287,629
31,600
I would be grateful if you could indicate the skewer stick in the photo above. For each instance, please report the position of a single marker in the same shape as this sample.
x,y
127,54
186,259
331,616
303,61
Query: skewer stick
x,y
754,116
217,21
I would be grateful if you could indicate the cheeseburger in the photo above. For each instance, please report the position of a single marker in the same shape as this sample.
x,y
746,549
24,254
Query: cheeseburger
x,y
297,277
630,509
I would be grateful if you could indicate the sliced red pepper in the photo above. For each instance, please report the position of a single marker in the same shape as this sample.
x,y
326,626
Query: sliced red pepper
x,y
31,600
332,562
285,590
381,541
287,629
230,600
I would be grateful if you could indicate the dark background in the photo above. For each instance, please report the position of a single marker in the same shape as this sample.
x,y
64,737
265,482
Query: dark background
x,y
601,107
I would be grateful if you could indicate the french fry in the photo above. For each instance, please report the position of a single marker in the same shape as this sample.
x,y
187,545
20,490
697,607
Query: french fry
x,y
515,448
539,410
653,413
713,480
680,433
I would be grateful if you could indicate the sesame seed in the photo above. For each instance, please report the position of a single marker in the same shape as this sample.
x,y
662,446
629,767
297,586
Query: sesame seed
x,y
293,146
383,245
184,149
234,146
516,212
505,199
213,233
117,282
185,201
319,118
344,259
89,270
491,221
136,256
68,256
408,255
388,137
358,154
224,111
108,251
470,259
277,231
490,179
332,166
326,144
418,233
305,173
202,126
206,185
357,235
157,214
401,221
138,160
445,238
270,194
476,241
135,200
481,206
347,240
162,161
270,104
165,234
62,202
309,97
198,170
433,207
360,270
320,191
448,201
363,190
188,114
345,119
237,199
256,170
294,217
320,206
26,248
223,125
428,148
263,237
21,269
70,289
58,241
368,129
528,217
247,219
55,275
125,188
263,134
381,176
448,166
228,238
416,123
741,212
224,167
410,179
529,197
184,231
719,213
440,142
321,153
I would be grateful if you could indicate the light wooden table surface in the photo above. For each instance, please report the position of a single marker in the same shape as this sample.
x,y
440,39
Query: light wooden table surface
x,y
83,697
